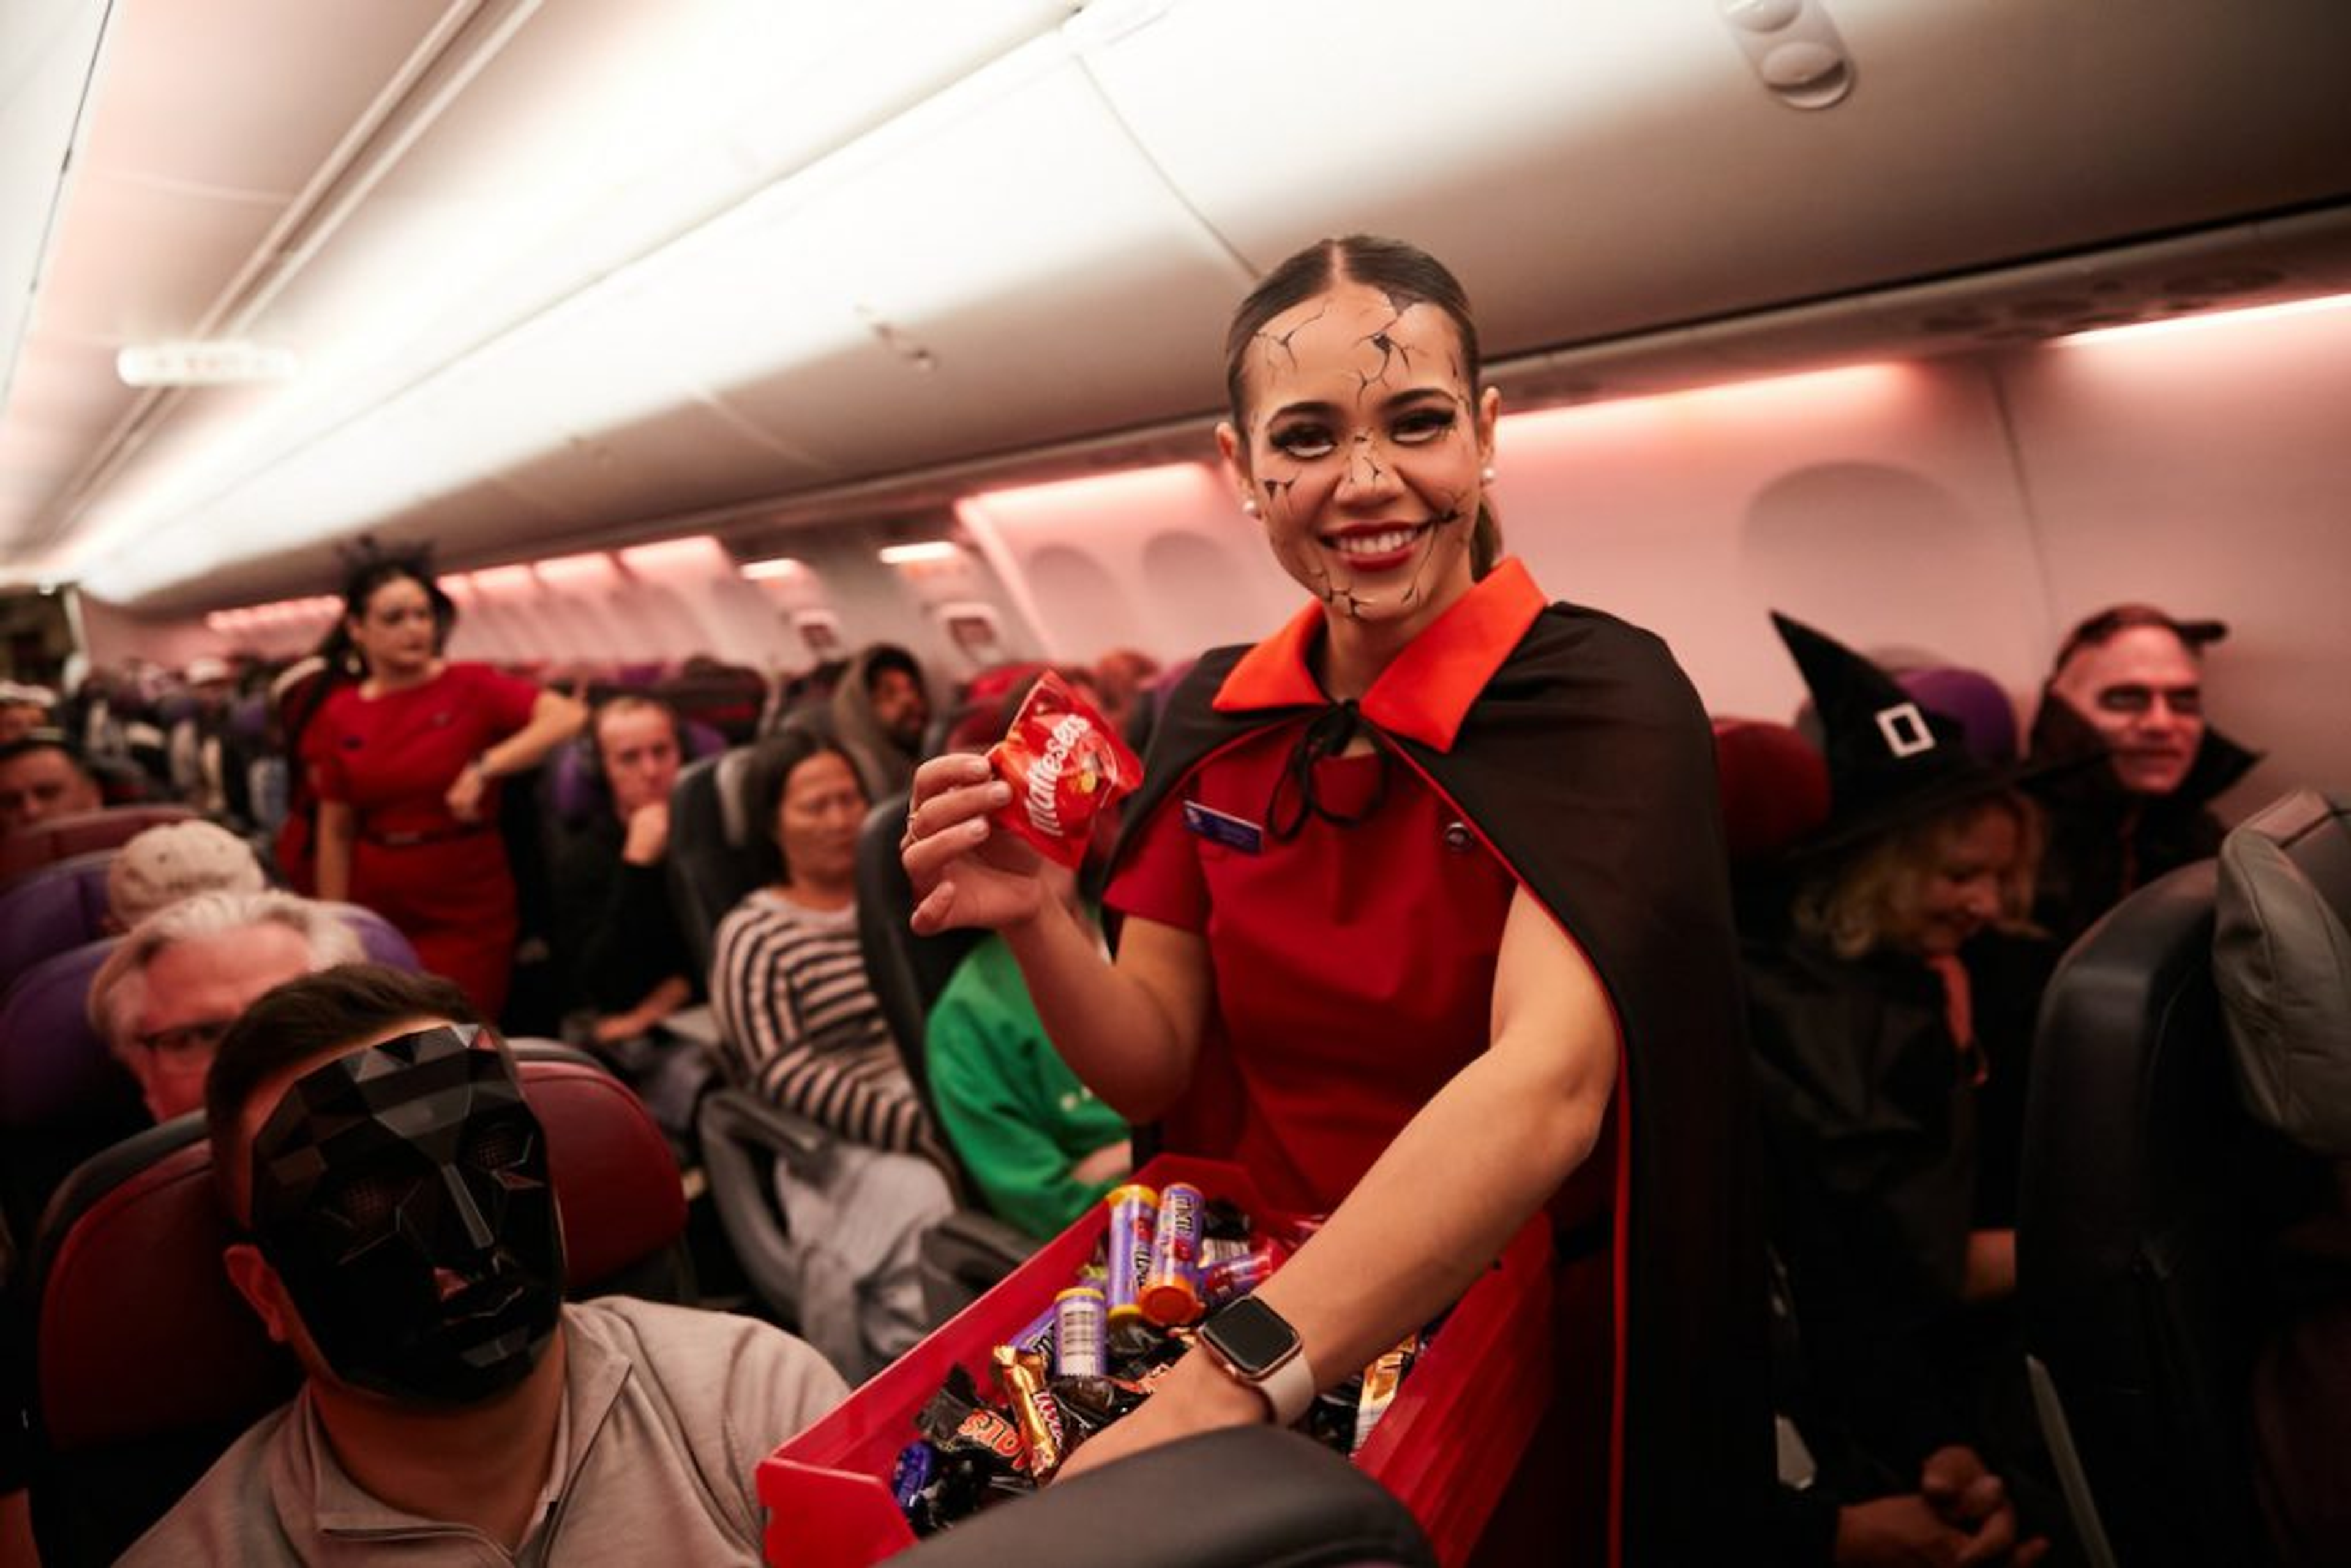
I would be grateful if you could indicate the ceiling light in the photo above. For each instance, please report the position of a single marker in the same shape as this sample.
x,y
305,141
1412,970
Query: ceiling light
x,y
916,555
2209,318
198,364
782,566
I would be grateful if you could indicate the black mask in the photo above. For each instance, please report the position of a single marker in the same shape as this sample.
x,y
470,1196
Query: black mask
x,y
402,1193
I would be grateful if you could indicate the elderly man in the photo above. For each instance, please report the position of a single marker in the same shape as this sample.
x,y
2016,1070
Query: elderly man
x,y
164,997
454,1408
41,776
2127,682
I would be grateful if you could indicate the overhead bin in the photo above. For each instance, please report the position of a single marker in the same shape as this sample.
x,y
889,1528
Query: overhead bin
x,y
1596,169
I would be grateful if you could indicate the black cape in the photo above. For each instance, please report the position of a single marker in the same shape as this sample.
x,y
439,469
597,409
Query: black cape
x,y
1587,763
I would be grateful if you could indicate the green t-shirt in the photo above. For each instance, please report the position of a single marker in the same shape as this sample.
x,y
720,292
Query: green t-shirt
x,y
1016,1113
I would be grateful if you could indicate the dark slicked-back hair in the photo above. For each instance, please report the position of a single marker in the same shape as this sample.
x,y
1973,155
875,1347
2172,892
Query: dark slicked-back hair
x,y
303,1020
54,740
1407,275
372,573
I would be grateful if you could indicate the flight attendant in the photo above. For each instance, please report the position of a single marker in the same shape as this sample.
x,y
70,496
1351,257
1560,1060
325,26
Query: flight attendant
x,y
405,763
1426,923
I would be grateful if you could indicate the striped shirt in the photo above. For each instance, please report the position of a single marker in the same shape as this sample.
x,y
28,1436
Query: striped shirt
x,y
801,1025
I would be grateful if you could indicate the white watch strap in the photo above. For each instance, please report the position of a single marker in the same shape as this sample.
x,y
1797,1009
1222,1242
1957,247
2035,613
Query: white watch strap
x,y
1289,1389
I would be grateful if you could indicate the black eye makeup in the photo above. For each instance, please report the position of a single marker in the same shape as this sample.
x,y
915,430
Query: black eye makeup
x,y
1304,441
2135,698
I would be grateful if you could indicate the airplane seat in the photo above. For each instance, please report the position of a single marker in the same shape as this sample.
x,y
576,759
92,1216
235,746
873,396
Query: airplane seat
x,y
1279,1497
43,843
729,698
1773,785
1986,718
2150,1202
717,853
976,721
47,911
383,942
63,1095
148,1363
971,1249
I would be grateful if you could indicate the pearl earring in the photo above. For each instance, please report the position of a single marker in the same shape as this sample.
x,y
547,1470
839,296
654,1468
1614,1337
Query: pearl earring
x,y
1487,474
1248,505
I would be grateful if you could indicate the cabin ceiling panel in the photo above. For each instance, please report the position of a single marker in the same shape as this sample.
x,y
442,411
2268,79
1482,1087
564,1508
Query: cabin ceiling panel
x,y
47,50
1007,273
1606,167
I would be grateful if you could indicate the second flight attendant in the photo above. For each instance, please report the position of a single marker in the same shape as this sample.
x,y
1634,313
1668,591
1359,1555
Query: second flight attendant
x,y
404,763
1424,916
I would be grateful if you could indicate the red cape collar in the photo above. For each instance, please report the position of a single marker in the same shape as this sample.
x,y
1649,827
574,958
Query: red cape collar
x,y
1426,693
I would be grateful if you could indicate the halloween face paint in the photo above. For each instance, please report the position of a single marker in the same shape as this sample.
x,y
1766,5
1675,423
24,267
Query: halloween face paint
x,y
401,1193
1363,451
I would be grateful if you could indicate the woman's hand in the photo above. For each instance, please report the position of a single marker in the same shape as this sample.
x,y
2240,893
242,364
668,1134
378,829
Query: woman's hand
x,y
463,798
1193,1397
965,871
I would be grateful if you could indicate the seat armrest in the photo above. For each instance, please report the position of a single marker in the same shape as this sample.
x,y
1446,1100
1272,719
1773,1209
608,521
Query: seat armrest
x,y
741,1116
696,1023
963,1255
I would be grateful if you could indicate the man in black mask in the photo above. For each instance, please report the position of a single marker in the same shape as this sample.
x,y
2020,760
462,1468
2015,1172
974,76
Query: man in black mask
x,y
374,1142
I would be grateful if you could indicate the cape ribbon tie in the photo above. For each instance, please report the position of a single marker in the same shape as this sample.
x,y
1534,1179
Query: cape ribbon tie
x,y
1959,1013
1294,798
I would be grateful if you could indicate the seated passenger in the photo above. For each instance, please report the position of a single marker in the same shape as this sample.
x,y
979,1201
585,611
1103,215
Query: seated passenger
x,y
1119,678
174,860
41,776
164,997
193,743
23,709
803,1029
621,953
1041,1147
2128,683
454,1406
879,711
1869,1056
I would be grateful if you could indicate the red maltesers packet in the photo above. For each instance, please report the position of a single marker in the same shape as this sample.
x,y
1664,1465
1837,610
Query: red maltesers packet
x,y
1065,765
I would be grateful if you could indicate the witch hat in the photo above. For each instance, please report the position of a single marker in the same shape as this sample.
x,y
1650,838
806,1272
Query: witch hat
x,y
1892,759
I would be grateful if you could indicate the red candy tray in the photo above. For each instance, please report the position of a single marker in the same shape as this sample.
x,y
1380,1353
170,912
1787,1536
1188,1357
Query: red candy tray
x,y
1447,1446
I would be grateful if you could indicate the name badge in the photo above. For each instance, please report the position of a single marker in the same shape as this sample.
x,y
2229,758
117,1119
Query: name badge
x,y
1222,827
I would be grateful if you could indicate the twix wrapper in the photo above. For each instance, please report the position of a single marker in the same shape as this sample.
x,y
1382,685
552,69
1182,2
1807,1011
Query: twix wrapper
x,y
1065,764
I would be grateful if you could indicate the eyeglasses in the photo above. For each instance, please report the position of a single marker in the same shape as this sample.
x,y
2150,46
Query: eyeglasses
x,y
185,1040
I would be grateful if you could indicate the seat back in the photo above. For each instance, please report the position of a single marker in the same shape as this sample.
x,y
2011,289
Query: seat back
x,y
148,1364
51,908
1280,1496
716,852
907,972
43,843
63,1095
2147,1201
1774,786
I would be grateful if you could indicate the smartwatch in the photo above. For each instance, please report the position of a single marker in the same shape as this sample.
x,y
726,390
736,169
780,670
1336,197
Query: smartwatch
x,y
1253,1345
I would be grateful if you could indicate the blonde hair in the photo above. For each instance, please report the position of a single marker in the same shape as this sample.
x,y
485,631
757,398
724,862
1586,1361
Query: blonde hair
x,y
1860,906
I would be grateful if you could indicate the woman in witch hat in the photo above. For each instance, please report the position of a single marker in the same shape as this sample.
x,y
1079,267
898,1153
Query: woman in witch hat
x,y
1870,1056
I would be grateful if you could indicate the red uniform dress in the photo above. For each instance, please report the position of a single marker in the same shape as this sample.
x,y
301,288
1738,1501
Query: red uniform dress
x,y
392,758
1354,959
